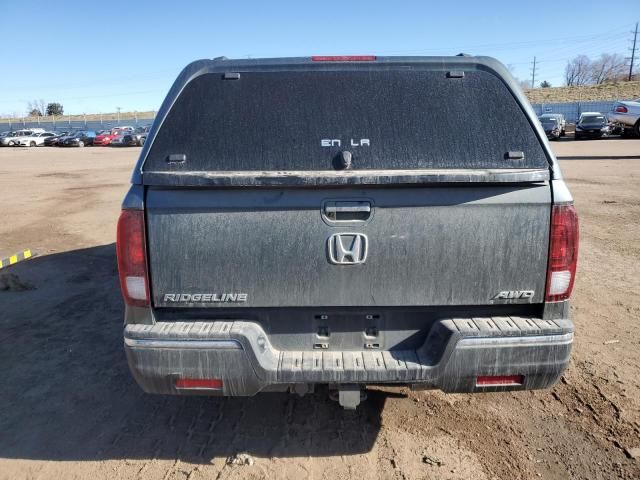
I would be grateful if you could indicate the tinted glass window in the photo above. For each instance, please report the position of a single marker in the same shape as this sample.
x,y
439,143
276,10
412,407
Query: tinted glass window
x,y
403,119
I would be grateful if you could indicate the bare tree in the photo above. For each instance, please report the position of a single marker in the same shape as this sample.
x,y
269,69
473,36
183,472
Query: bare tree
x,y
36,108
608,68
41,105
578,71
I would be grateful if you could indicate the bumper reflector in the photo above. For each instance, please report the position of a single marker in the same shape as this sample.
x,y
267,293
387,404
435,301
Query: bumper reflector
x,y
500,381
199,383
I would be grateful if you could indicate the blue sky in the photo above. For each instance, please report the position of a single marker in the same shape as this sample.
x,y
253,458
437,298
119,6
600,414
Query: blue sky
x,y
95,56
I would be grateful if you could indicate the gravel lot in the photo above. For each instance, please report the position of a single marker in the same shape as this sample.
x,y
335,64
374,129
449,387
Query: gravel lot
x,y
69,408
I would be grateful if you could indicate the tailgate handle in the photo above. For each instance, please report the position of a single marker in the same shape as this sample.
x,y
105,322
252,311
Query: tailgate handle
x,y
356,211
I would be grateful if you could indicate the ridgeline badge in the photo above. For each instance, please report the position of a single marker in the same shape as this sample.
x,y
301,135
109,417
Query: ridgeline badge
x,y
205,297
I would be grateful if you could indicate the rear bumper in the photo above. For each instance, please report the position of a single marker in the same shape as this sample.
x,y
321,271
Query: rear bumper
x,y
454,354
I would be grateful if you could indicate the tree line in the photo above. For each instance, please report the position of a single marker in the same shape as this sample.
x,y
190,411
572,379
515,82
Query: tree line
x,y
609,67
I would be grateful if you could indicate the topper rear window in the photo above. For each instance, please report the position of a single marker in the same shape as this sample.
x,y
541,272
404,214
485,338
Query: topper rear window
x,y
303,120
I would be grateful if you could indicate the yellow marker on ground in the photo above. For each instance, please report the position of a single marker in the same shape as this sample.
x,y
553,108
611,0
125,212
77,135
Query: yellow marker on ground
x,y
13,259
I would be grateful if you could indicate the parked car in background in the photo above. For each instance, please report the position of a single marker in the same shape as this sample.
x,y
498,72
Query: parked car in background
x,y
127,140
35,139
78,139
5,138
105,137
135,138
62,138
627,116
140,135
562,122
551,127
592,125
15,138
118,140
53,141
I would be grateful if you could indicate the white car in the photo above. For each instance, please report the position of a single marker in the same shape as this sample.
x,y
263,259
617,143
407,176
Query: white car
x,y
627,114
33,140
5,136
13,138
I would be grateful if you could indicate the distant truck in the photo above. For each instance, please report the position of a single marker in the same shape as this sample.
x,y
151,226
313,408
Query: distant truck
x,y
302,221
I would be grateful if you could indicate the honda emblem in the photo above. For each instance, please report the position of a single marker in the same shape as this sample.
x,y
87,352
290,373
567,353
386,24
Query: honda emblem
x,y
348,248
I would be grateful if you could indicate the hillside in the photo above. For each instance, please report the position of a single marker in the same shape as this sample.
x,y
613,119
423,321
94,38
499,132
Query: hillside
x,y
609,91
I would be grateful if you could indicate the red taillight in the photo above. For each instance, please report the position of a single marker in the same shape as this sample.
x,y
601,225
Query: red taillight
x,y
132,258
563,253
199,383
499,380
343,58
621,109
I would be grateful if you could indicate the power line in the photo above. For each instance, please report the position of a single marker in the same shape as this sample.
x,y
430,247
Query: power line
x,y
569,52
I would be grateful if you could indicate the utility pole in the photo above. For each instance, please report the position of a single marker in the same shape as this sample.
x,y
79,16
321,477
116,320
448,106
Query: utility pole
x,y
633,52
118,109
533,74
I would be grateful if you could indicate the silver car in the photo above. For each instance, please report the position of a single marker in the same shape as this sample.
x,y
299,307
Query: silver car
x,y
12,138
627,114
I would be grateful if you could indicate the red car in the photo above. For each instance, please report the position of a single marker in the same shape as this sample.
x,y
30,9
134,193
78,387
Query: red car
x,y
105,137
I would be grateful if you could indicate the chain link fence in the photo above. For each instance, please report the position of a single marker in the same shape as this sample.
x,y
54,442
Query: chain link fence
x,y
572,110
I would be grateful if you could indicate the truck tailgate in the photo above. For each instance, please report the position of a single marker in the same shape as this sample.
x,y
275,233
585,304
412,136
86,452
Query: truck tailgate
x,y
417,246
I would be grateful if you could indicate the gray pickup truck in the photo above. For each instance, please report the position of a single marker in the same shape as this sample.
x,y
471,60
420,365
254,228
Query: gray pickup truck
x,y
346,221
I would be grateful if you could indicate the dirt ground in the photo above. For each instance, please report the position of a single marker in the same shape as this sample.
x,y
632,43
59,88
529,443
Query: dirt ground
x,y
70,409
